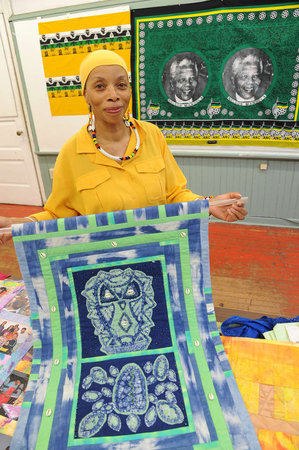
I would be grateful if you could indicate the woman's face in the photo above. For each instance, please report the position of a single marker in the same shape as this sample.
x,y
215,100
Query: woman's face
x,y
108,92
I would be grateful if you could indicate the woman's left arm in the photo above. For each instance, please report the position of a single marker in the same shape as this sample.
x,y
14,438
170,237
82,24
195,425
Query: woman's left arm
x,y
176,189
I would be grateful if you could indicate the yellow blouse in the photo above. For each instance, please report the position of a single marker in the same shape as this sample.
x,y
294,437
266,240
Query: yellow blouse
x,y
87,182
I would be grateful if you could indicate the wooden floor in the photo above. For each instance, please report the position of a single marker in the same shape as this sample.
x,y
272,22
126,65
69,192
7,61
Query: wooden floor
x,y
254,269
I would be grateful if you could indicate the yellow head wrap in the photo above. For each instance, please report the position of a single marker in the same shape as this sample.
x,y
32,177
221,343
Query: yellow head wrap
x,y
99,58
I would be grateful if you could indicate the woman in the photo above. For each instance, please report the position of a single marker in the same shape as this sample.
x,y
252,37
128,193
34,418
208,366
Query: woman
x,y
116,162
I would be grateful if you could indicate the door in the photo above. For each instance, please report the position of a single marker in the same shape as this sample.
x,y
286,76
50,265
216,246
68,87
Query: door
x,y
18,178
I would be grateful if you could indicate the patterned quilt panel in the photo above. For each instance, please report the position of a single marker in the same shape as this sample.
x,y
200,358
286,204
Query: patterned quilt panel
x,y
126,350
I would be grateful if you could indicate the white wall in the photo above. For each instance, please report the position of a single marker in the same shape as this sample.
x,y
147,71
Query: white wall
x,y
27,6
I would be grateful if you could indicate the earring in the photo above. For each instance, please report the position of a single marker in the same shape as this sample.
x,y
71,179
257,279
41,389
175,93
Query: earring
x,y
91,120
126,120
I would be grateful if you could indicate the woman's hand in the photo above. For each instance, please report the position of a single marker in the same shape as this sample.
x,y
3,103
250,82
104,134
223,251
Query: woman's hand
x,y
6,222
229,213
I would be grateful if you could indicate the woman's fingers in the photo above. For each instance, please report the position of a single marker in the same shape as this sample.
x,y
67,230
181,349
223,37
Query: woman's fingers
x,y
237,212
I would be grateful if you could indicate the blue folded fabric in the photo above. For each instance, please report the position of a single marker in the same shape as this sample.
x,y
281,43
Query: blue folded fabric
x,y
243,327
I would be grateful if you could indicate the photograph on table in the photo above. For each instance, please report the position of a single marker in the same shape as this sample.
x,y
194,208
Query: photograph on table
x,y
13,335
19,304
11,398
13,389
15,341
25,363
8,290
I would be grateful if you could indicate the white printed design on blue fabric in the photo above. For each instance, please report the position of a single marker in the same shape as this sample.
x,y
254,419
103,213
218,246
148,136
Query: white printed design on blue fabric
x,y
129,396
120,305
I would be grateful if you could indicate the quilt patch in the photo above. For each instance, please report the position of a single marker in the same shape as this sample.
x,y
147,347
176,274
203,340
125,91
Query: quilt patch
x,y
126,352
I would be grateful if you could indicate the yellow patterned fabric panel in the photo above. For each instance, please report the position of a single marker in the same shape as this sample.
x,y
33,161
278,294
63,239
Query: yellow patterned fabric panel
x,y
64,43
276,440
267,374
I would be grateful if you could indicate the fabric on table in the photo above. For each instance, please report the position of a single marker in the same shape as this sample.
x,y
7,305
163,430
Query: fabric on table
x,y
254,328
3,276
126,348
267,374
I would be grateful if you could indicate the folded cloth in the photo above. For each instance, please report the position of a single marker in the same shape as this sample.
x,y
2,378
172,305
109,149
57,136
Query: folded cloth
x,y
242,327
3,276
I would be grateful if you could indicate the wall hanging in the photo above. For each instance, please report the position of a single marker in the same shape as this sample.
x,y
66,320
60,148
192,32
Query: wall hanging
x,y
64,43
126,350
213,72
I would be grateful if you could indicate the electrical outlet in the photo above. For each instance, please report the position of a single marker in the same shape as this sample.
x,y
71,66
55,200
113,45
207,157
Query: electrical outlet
x,y
51,172
263,166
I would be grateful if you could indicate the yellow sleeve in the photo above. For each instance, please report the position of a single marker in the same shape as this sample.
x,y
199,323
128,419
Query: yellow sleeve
x,y
64,200
43,215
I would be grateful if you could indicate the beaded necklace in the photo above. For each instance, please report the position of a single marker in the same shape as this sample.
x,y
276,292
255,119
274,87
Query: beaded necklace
x,y
118,158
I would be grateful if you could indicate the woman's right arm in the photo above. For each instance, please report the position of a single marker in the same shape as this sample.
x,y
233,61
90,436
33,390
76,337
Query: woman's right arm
x,y
64,200
7,222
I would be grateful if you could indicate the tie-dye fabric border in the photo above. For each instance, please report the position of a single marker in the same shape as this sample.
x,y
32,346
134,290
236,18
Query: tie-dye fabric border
x,y
64,43
127,352
212,71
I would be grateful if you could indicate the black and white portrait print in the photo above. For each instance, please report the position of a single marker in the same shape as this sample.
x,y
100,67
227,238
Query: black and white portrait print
x,y
247,75
184,79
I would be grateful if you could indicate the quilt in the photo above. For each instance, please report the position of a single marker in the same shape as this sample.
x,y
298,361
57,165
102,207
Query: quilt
x,y
126,347
64,43
269,387
218,71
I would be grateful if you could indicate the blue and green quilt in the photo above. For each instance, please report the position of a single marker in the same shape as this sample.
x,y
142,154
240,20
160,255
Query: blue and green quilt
x,y
127,354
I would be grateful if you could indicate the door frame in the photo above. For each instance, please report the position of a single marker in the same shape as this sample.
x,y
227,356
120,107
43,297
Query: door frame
x,y
6,12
